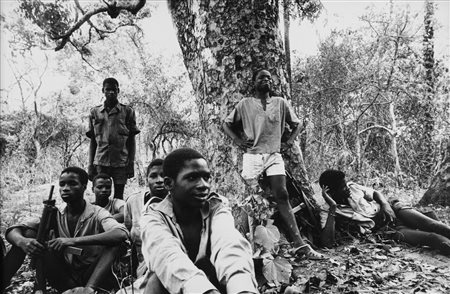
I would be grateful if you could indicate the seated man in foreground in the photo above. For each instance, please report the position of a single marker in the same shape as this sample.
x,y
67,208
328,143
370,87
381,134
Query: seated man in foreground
x,y
79,224
136,203
369,209
101,186
189,240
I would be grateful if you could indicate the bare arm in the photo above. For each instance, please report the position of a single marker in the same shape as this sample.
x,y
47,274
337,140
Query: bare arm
x,y
131,146
327,236
294,134
109,238
119,217
28,245
241,143
386,209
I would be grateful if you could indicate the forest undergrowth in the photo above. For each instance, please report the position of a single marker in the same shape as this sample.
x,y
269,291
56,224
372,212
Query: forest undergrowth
x,y
372,265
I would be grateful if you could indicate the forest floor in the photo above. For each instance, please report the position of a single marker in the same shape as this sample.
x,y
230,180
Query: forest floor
x,y
358,266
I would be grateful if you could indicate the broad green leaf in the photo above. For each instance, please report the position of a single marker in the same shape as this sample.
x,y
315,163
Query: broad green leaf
x,y
277,270
267,236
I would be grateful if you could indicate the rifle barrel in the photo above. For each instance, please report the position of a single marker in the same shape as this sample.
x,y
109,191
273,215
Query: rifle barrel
x,y
52,187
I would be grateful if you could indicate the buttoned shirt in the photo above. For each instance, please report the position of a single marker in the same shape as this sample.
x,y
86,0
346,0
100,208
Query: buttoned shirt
x,y
264,127
111,130
221,247
93,220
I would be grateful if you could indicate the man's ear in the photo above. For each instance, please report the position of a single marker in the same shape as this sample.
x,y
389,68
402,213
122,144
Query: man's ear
x,y
118,90
169,183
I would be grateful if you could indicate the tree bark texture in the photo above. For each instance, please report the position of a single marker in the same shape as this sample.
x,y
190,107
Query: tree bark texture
x,y
222,43
427,120
439,190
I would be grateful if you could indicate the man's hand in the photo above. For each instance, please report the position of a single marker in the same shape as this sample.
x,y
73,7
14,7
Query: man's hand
x,y
388,213
286,145
330,201
59,244
31,246
243,144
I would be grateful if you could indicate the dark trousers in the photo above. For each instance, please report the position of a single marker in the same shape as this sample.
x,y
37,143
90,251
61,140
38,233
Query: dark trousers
x,y
60,275
418,229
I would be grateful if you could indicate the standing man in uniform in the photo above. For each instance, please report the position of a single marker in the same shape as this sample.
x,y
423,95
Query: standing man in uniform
x,y
112,130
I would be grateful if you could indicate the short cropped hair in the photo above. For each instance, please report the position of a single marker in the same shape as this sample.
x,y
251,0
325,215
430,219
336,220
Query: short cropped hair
x,y
101,176
256,72
154,162
111,81
175,160
331,178
82,174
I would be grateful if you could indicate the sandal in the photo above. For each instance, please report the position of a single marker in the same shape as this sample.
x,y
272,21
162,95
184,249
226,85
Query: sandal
x,y
307,252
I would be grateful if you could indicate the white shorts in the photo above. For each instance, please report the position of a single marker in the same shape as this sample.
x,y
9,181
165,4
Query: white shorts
x,y
254,165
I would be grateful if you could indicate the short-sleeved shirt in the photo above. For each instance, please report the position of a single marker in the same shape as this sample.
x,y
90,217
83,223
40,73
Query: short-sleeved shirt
x,y
111,131
93,220
264,127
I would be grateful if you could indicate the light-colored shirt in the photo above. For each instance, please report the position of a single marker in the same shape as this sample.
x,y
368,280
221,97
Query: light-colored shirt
x,y
111,131
264,127
134,208
93,220
361,209
221,245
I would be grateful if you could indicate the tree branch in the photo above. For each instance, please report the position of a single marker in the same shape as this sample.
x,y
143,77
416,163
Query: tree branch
x,y
376,127
113,9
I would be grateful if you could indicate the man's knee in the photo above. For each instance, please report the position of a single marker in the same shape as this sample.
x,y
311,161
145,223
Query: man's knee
x,y
281,194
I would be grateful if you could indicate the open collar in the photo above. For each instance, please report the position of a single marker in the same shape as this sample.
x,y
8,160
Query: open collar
x,y
166,207
117,108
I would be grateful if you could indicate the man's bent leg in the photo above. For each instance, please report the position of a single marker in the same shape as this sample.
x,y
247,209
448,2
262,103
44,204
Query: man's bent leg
x,y
102,276
280,193
11,264
58,273
422,238
416,220
14,260
154,285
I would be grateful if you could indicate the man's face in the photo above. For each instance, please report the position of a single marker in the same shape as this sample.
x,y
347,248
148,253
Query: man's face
x,y
191,187
155,181
263,81
341,193
70,187
111,91
102,188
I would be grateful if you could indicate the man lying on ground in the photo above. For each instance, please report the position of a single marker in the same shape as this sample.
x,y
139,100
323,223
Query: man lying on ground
x,y
101,186
189,241
136,203
370,210
79,224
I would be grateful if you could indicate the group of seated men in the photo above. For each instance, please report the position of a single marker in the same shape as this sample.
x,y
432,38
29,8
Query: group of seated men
x,y
183,234
189,243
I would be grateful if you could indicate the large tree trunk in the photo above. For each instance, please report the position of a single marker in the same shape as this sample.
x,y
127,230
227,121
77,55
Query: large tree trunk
x,y
439,190
427,119
222,43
